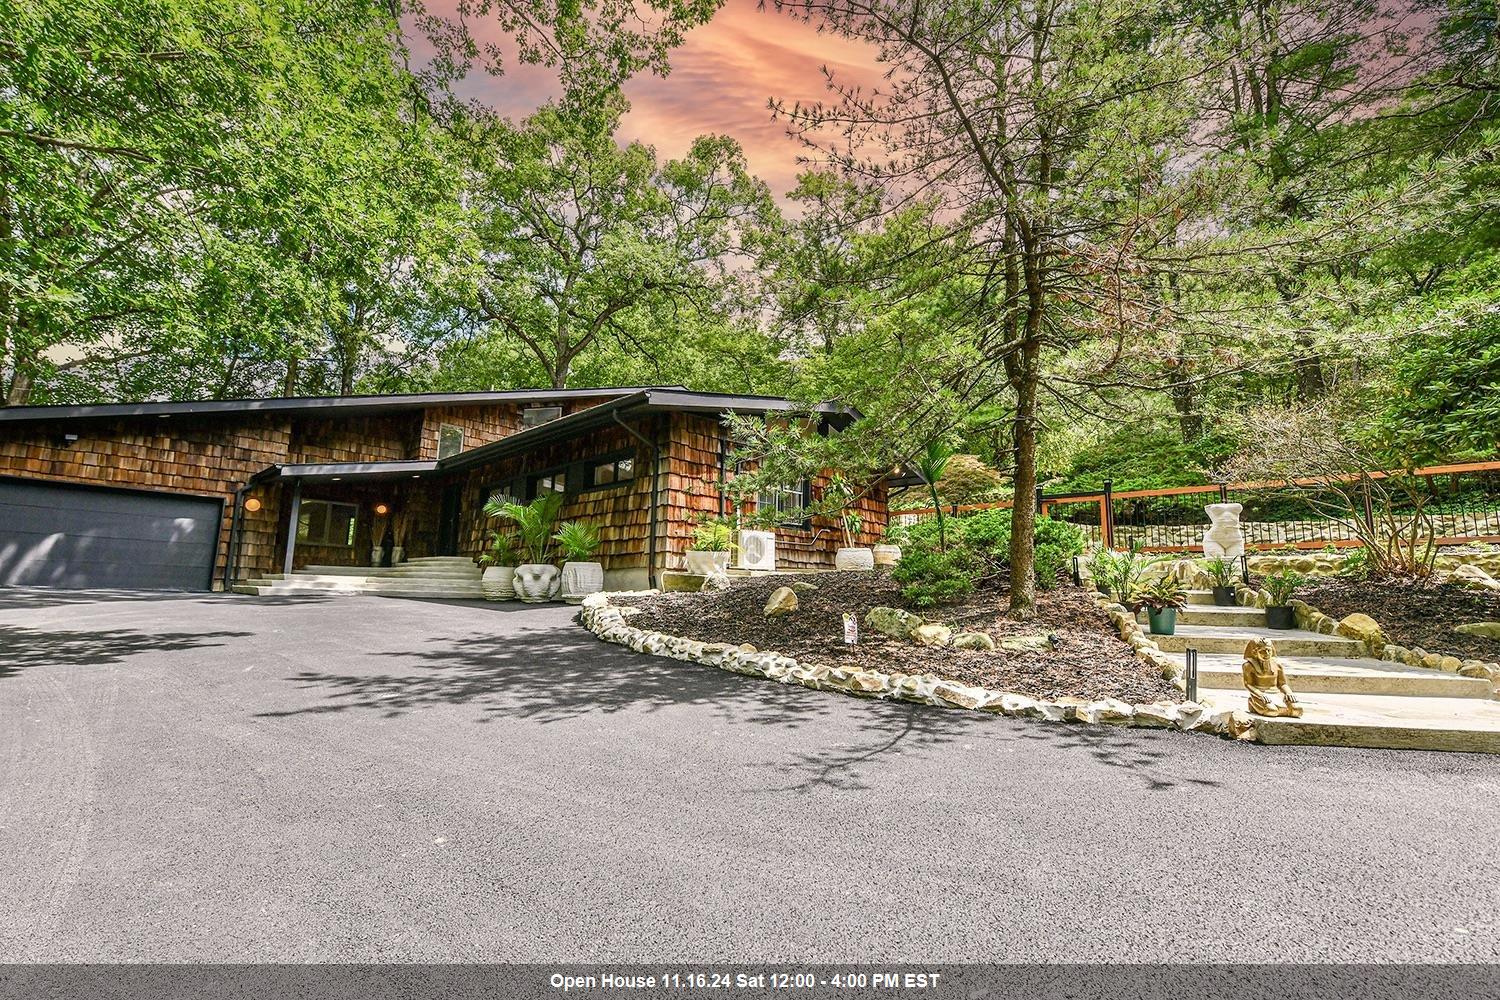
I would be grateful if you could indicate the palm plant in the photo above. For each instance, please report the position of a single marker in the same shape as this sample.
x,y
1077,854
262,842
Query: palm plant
x,y
1118,574
533,522
931,465
1220,571
502,551
577,540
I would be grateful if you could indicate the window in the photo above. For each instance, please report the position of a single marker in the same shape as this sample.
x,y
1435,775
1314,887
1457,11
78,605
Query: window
x,y
611,471
787,500
552,482
510,491
450,440
320,522
535,416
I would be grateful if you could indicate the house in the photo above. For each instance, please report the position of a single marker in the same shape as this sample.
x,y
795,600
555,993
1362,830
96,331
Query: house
x,y
198,495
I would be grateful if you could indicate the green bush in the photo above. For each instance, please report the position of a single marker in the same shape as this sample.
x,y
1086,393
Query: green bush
x,y
929,576
986,536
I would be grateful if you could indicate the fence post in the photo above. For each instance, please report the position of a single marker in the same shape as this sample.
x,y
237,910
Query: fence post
x,y
1039,500
1109,514
1223,493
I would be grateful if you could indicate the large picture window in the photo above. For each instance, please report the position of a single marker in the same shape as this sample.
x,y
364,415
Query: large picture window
x,y
322,522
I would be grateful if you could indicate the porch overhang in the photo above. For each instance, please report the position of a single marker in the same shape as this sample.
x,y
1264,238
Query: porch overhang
x,y
333,471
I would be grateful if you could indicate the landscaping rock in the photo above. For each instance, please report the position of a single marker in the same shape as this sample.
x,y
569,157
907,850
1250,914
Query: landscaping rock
x,y
1486,630
803,587
973,640
782,602
892,621
1107,711
1027,643
1161,715
959,694
932,635
1473,576
714,583
1364,628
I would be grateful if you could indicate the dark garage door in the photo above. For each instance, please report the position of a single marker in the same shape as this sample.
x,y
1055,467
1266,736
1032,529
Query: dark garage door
x,y
77,537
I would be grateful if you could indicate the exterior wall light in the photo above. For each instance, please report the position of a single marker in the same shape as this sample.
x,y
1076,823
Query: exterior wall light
x,y
252,504
382,509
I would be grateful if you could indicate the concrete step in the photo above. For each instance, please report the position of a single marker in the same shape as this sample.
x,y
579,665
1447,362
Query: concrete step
x,y
383,588
439,561
1233,638
1344,675
1202,614
1379,722
1201,598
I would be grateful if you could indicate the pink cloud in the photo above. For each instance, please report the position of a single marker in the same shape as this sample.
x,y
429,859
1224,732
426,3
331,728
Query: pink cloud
x,y
721,80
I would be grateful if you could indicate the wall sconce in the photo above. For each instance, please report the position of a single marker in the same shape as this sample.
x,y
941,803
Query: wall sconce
x,y
252,504
382,509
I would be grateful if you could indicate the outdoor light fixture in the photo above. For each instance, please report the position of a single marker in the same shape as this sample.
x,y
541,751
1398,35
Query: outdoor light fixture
x,y
252,505
382,509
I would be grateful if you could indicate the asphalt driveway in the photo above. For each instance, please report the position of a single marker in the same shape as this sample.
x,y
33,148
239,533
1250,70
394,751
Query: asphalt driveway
x,y
359,779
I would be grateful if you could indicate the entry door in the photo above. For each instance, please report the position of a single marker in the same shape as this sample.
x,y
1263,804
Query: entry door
x,y
448,519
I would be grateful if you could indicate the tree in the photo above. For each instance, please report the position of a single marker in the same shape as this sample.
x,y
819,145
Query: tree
x,y
578,238
1046,128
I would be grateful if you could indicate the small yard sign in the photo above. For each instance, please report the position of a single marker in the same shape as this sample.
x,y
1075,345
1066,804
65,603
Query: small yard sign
x,y
851,629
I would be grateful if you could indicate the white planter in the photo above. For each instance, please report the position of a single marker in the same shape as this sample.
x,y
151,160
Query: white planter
x,y
498,583
375,555
887,555
397,555
579,579
536,582
706,563
853,560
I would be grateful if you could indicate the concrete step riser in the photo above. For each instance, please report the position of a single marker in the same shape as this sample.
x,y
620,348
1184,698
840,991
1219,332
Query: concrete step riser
x,y
1252,617
1437,686
1394,736
1236,644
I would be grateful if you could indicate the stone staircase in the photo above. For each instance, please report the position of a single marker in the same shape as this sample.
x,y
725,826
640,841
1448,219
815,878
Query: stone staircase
x,y
1348,698
438,577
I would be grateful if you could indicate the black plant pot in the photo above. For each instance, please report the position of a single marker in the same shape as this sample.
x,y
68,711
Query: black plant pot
x,y
1224,597
1282,618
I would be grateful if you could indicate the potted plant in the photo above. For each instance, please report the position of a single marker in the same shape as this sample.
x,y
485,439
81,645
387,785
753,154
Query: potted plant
x,y
713,541
1281,586
536,580
578,541
1118,574
399,520
853,557
1221,580
499,562
1161,598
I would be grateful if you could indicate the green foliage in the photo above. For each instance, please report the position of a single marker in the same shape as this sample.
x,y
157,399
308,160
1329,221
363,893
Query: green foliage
x,y
1118,574
577,540
1220,571
931,576
1164,592
501,551
534,523
1356,564
986,534
1282,585
1136,460
713,535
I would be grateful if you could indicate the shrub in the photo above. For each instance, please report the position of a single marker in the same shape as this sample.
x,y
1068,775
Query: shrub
x,y
987,534
1118,574
1356,564
929,576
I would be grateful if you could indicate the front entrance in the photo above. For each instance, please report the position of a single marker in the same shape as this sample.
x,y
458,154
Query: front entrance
x,y
452,507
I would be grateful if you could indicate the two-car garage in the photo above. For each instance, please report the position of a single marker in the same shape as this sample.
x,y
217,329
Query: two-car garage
x,y
80,537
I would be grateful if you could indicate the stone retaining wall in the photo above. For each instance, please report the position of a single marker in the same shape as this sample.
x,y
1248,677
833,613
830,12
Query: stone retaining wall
x,y
611,623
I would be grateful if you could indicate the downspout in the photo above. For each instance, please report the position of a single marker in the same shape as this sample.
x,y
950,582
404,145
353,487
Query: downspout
x,y
232,554
655,480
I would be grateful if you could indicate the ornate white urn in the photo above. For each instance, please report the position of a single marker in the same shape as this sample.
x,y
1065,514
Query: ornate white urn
x,y
536,583
1224,537
498,583
580,579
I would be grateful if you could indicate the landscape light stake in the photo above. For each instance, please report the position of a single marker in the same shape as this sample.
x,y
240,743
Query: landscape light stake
x,y
1245,569
1077,577
1190,657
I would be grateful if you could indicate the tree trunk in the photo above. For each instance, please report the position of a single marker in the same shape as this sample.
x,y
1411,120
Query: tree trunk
x,y
1185,402
1025,379
289,387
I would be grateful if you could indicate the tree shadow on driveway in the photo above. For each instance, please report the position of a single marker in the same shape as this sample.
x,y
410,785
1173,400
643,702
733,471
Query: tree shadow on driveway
x,y
24,647
552,673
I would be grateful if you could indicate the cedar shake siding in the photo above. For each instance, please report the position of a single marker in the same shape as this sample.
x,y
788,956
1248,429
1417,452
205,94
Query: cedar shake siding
x,y
340,450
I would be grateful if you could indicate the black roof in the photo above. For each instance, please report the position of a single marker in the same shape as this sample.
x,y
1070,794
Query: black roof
x,y
319,404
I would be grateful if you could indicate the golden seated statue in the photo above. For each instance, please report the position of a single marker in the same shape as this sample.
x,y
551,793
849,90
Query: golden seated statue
x,y
1266,681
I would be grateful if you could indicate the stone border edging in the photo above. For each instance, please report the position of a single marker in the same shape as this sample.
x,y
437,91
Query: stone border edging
x,y
610,623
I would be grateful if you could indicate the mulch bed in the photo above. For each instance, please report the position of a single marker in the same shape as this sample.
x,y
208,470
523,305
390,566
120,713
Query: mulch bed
x,y
1411,614
1088,659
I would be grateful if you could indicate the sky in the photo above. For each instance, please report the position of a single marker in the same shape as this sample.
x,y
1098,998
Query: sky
x,y
721,80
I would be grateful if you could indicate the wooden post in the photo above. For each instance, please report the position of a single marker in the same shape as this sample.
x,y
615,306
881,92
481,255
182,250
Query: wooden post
x,y
291,525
